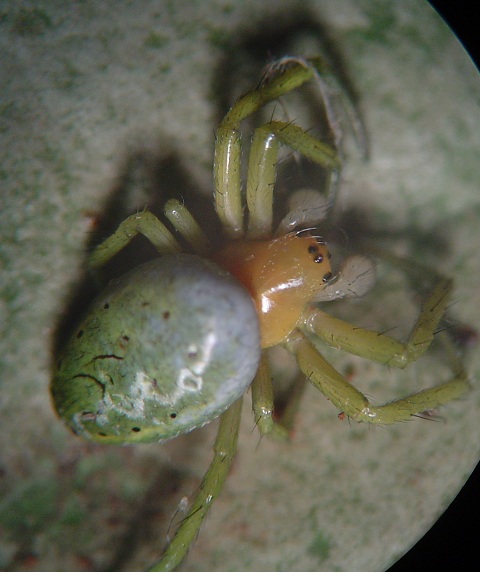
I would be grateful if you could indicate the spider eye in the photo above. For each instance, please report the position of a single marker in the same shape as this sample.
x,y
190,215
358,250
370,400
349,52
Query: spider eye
x,y
312,249
319,258
327,276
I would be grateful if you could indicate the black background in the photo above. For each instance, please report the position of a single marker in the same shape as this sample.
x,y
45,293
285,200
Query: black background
x,y
453,544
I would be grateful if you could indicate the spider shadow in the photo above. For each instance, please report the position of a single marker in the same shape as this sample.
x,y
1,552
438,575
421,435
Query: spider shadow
x,y
160,177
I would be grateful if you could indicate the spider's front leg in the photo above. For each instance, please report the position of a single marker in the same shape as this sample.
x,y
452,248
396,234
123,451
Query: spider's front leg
x,y
263,153
319,327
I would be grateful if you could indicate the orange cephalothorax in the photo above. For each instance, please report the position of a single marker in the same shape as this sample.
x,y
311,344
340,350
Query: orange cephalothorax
x,y
281,274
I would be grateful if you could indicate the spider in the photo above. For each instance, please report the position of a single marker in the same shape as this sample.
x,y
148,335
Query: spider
x,y
177,341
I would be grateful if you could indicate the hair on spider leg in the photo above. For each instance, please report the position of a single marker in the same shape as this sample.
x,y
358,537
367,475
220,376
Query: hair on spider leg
x,y
431,415
279,102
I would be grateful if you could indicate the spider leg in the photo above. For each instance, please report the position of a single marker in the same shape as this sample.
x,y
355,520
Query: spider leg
x,y
148,225
227,182
379,347
319,327
210,488
187,227
144,223
262,168
262,402
261,179
355,405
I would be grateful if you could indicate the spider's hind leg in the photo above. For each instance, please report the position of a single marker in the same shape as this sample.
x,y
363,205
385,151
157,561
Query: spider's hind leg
x,y
147,224
356,406
224,451
144,223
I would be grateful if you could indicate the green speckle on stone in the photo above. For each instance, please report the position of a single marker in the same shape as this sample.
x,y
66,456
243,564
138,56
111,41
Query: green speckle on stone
x,y
155,40
69,77
73,511
320,546
30,508
381,21
218,37
31,22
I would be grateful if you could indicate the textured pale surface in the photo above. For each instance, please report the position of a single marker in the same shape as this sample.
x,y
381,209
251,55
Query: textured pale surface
x,y
85,90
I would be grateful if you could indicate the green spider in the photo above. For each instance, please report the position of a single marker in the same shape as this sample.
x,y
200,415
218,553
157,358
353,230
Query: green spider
x,y
177,341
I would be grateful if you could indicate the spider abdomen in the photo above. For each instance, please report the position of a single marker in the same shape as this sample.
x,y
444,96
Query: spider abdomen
x,y
164,349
